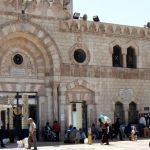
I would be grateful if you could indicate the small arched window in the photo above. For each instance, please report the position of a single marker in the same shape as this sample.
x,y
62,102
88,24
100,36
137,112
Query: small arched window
x,y
117,56
132,106
133,113
119,111
131,58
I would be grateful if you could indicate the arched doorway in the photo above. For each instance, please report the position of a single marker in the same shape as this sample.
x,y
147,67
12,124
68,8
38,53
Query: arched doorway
x,y
27,58
119,112
80,108
133,113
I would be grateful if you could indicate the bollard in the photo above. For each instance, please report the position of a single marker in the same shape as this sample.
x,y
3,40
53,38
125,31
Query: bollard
x,y
89,136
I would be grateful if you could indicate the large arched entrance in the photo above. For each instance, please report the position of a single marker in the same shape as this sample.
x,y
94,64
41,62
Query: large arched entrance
x,y
29,62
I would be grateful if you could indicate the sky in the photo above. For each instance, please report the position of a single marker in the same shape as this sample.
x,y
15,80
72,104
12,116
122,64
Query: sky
x,y
125,12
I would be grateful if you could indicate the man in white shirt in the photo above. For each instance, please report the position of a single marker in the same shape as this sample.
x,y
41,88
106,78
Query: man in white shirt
x,y
142,120
32,134
1,133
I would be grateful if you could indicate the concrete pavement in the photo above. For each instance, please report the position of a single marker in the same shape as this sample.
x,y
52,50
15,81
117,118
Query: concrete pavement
x,y
114,145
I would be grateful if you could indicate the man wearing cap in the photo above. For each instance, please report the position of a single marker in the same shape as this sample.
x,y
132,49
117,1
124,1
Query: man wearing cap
x,y
32,134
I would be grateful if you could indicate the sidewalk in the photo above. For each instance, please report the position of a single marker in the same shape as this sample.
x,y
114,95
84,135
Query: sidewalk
x,y
142,144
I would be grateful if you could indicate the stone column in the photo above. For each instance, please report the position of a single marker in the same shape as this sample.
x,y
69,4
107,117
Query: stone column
x,y
11,118
49,104
91,117
43,108
25,111
124,60
55,101
126,111
63,120
11,103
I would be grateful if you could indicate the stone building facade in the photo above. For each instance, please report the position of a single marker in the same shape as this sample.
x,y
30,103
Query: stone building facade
x,y
54,67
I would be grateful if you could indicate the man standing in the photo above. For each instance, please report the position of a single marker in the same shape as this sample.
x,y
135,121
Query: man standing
x,y
56,129
32,134
1,133
117,125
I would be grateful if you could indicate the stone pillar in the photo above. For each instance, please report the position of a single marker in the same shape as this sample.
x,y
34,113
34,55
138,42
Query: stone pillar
x,y
25,111
126,111
49,104
137,61
11,118
124,60
43,108
55,101
63,120
11,103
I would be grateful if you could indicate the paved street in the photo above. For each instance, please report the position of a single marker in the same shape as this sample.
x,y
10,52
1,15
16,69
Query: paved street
x,y
116,145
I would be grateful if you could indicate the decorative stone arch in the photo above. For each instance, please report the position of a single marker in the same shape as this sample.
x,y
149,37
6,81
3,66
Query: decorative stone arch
x,y
114,43
35,63
132,103
142,33
88,88
36,35
132,55
126,101
80,92
116,52
22,87
110,29
132,44
134,100
79,82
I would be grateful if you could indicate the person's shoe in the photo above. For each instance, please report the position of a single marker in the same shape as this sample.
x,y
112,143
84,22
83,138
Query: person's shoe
x,y
28,148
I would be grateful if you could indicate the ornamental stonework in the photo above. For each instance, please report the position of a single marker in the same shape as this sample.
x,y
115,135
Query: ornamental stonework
x,y
103,29
20,4
41,8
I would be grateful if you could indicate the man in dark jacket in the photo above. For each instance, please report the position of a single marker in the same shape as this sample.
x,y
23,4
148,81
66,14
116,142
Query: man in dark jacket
x,y
1,133
117,129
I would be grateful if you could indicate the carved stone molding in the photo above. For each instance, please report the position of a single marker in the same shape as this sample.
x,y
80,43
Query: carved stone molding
x,y
104,29
80,90
101,29
92,27
126,31
104,72
118,30
40,8
83,27
74,26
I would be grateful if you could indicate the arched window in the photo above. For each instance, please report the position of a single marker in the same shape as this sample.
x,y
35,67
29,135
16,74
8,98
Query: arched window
x,y
133,113
131,58
119,112
117,56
